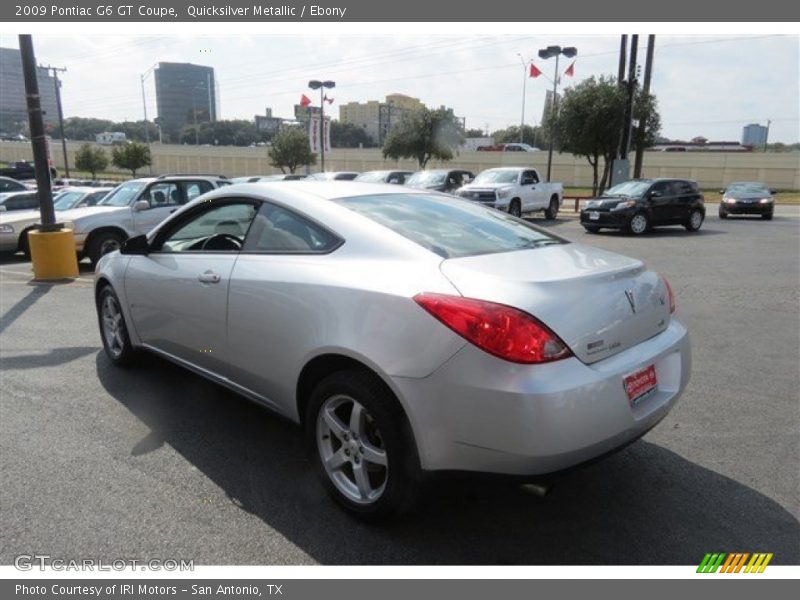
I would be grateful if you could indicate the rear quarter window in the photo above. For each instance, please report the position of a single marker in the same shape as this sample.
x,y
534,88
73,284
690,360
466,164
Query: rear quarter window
x,y
449,227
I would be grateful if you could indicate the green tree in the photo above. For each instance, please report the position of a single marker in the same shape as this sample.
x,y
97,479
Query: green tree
x,y
131,157
290,149
424,134
349,135
475,133
81,128
91,158
590,120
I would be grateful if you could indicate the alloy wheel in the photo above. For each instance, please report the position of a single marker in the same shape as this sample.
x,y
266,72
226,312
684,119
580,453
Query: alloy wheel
x,y
638,224
113,326
696,220
352,449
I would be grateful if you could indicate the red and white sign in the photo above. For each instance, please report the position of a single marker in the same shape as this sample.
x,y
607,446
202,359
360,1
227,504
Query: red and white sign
x,y
314,133
640,383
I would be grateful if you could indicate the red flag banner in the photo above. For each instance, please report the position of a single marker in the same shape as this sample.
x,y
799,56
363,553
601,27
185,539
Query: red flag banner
x,y
570,72
304,100
328,100
535,72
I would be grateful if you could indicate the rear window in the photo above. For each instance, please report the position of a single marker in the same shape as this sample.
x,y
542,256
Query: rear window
x,y
451,228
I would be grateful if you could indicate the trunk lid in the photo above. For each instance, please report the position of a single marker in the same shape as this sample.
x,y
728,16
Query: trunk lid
x,y
599,303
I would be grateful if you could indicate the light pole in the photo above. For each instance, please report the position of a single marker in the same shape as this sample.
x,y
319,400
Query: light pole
x,y
524,84
315,84
142,77
544,54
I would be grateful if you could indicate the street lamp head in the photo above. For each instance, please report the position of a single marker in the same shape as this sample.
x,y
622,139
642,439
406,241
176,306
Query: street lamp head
x,y
315,84
549,52
329,84
570,52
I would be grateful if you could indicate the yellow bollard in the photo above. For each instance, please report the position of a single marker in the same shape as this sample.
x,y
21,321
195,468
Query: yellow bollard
x,y
53,254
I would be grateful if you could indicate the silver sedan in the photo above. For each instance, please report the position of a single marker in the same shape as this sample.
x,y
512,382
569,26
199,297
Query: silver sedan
x,y
407,331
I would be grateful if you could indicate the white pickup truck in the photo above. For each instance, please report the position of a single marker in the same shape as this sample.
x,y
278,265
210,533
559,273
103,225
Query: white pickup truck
x,y
516,190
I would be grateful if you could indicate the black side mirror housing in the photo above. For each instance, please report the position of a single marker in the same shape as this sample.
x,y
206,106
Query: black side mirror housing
x,y
136,245
722,191
773,191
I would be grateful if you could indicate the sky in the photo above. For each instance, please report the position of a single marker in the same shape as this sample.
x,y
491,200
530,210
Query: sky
x,y
706,85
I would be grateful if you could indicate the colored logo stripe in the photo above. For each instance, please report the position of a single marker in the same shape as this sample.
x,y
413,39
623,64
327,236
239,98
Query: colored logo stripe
x,y
734,562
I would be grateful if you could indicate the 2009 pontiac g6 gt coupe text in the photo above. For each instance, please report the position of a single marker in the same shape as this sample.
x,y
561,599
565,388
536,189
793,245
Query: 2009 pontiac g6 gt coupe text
x,y
407,331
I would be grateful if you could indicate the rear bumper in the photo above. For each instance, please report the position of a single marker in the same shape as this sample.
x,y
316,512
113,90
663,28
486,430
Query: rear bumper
x,y
479,413
747,209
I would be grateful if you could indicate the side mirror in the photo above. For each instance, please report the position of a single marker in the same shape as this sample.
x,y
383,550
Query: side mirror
x,y
141,205
722,191
135,245
773,191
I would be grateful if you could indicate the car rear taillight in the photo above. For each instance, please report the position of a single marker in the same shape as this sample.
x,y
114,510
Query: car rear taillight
x,y
670,294
500,330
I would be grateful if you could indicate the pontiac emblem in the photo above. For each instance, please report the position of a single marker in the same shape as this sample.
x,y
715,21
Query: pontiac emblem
x,y
631,300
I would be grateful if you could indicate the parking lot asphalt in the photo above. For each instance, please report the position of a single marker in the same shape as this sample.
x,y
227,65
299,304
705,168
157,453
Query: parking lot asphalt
x,y
155,462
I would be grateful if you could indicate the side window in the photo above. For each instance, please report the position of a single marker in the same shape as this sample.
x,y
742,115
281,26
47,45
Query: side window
x,y
10,186
163,194
281,231
22,202
529,178
664,188
216,228
683,188
194,188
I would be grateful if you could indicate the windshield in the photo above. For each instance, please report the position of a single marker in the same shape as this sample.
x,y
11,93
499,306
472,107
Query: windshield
x,y
123,194
451,228
427,178
629,189
372,176
66,200
497,176
742,190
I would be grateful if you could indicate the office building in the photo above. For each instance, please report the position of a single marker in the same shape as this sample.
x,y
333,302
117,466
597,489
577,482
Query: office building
x,y
754,135
13,107
186,94
377,118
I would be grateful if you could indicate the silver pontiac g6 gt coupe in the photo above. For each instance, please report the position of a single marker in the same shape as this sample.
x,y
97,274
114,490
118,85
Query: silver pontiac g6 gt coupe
x,y
408,331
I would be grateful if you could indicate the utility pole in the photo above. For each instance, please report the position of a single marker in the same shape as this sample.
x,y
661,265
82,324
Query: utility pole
x,y
524,84
628,125
34,101
57,83
648,70
623,44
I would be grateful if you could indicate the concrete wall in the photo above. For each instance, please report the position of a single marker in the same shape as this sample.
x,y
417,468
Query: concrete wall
x,y
709,169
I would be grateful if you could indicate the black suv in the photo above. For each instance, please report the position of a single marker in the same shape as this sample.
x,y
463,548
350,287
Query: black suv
x,y
640,204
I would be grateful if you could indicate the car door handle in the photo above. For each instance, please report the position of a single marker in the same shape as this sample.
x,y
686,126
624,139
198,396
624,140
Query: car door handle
x,y
208,277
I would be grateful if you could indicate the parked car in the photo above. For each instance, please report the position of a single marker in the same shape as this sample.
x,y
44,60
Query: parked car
x,y
512,147
11,201
516,190
747,198
275,177
7,184
409,332
333,176
21,169
132,208
396,177
14,226
638,205
440,180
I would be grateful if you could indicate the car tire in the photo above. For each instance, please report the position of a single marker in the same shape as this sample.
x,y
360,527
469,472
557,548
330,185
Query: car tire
x,y
639,224
551,212
591,229
723,214
515,209
103,243
767,216
347,452
695,220
113,329
25,245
